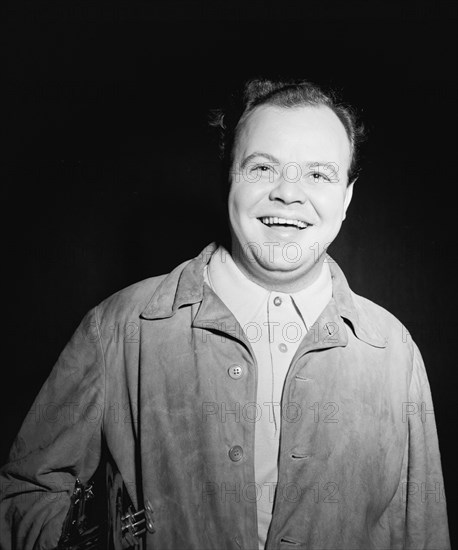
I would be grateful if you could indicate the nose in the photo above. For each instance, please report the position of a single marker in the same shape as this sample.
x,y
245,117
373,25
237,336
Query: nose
x,y
288,191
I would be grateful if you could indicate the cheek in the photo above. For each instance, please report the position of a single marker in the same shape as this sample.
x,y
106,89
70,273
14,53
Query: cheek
x,y
329,206
236,205
243,198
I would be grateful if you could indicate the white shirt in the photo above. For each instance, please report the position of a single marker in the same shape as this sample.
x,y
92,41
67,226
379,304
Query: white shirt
x,y
274,323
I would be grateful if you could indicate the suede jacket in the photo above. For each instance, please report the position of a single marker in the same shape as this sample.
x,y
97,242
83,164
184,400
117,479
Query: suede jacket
x,y
163,374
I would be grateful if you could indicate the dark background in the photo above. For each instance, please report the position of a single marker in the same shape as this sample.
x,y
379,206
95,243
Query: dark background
x,y
112,175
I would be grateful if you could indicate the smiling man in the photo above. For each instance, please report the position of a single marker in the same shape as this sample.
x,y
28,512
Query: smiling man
x,y
264,405
289,193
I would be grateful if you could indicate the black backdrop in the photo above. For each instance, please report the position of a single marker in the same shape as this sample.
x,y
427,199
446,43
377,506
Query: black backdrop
x,y
112,174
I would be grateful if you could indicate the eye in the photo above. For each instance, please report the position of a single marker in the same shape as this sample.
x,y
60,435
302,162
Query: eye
x,y
319,177
261,168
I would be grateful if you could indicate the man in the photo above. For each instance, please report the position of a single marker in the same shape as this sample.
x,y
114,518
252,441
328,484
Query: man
x,y
249,398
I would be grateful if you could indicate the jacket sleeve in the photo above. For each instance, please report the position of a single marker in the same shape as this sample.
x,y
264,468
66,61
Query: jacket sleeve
x,y
59,440
426,513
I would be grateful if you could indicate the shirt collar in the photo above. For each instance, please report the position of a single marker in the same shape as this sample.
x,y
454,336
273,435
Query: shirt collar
x,y
184,286
246,299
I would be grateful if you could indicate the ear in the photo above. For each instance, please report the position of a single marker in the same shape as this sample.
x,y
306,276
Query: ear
x,y
348,197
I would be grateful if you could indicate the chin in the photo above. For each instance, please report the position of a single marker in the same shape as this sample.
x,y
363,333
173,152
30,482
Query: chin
x,y
285,268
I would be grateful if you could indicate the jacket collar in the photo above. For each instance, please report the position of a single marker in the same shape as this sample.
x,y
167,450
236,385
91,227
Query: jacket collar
x,y
184,286
364,325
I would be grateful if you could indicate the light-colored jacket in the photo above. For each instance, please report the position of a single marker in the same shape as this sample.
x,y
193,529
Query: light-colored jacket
x,y
149,371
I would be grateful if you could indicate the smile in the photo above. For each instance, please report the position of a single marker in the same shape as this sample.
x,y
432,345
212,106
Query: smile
x,y
283,222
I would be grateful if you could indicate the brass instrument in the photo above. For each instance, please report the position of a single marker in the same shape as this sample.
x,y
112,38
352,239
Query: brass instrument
x,y
122,528
77,534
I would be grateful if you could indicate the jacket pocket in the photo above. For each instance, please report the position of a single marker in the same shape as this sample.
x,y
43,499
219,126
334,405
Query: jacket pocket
x,y
288,543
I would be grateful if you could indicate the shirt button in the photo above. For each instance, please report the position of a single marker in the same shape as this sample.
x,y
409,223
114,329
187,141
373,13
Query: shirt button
x,y
236,453
235,371
283,347
277,301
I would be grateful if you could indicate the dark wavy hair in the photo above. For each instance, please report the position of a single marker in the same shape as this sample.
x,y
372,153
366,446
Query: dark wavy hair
x,y
282,93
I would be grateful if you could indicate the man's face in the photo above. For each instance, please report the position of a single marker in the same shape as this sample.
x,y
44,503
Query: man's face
x,y
288,193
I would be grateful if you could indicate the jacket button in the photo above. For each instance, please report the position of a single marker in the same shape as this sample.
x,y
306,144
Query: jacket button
x,y
236,453
277,301
235,371
283,347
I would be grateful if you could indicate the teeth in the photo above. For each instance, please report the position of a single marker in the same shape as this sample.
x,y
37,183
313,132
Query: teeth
x,y
274,220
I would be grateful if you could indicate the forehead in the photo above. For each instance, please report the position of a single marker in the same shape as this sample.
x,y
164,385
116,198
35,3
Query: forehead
x,y
298,132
